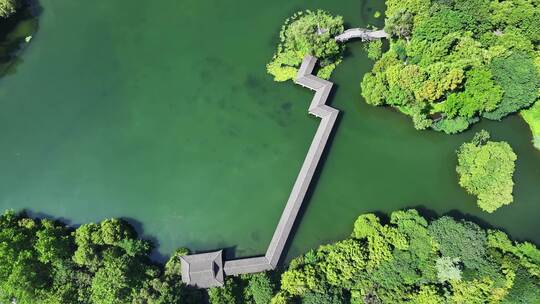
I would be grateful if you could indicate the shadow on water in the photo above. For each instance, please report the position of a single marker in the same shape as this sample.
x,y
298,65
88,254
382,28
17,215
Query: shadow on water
x,y
16,33
155,255
313,185
230,252
431,215
42,215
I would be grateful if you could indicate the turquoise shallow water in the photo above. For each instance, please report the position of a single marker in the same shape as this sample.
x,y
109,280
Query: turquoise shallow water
x,y
162,113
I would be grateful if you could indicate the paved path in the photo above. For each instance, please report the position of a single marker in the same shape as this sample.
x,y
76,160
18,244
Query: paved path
x,y
328,117
363,34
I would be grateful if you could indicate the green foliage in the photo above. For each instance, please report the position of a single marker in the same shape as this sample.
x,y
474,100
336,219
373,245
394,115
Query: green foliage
x,y
379,238
340,262
480,95
305,33
481,138
462,240
453,125
522,14
8,7
524,289
260,288
43,261
22,275
173,266
374,49
328,295
399,24
407,260
441,23
445,261
448,269
520,81
451,62
485,170
112,283
53,243
114,231
373,90
532,117
223,295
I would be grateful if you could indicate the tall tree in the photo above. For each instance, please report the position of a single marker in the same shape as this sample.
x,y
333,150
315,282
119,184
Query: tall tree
x,y
485,170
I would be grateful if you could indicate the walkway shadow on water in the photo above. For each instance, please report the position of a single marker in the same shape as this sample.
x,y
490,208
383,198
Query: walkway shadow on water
x,y
314,181
230,252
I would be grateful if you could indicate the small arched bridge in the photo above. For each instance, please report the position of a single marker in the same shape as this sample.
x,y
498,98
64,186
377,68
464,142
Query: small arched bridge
x,y
362,34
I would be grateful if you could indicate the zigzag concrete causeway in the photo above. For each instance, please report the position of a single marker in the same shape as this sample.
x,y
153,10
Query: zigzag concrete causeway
x,y
207,270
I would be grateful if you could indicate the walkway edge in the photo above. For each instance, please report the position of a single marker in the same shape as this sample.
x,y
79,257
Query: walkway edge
x,y
208,273
328,117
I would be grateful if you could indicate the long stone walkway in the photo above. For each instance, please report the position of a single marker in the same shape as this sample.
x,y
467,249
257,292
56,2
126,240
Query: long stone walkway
x,y
328,117
209,271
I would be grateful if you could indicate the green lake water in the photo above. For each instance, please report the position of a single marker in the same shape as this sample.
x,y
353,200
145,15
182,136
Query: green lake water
x,y
162,113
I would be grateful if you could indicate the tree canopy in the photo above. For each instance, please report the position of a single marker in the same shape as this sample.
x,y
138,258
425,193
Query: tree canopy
x,y
8,7
532,117
307,32
43,261
412,260
486,169
409,259
452,62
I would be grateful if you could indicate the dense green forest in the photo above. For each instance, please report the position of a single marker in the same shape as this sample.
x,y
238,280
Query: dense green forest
x,y
407,259
412,260
43,261
451,62
448,64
